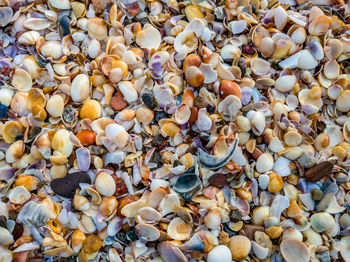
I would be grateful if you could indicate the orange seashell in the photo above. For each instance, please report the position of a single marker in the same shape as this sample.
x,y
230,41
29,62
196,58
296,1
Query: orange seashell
x,y
194,115
191,60
229,88
86,137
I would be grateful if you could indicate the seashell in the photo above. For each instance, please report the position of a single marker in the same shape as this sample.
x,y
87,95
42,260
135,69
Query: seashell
x,y
10,130
267,47
281,166
331,69
195,25
130,210
5,236
212,219
230,52
229,107
239,246
299,35
55,106
316,49
260,67
52,49
149,37
203,122
276,145
179,229
21,80
105,184
238,26
214,162
6,14
182,114
147,232
294,250
19,195
108,206
149,215
260,214
91,110
343,102
259,251
61,142
322,222
15,151
60,4
258,122
114,226
320,25
78,238
83,159
169,252
306,60
279,204
292,233
81,203
194,76
36,24
220,253
80,88
280,17
29,38
128,90
185,42
285,83
117,134
168,203
96,28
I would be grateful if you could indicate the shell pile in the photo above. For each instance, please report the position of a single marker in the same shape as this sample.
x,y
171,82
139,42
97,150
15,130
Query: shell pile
x,y
175,131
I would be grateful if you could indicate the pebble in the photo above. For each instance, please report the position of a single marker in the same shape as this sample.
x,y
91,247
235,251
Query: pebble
x,y
117,102
218,180
67,186
149,100
3,110
319,171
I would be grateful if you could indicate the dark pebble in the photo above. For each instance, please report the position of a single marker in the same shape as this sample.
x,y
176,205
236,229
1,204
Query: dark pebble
x,y
2,221
19,137
149,101
3,110
65,25
159,115
17,231
157,141
235,216
218,180
131,235
157,158
67,186
319,171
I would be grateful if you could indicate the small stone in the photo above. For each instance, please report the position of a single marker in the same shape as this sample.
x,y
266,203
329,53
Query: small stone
x,y
92,244
117,102
66,186
218,180
235,216
240,247
317,194
3,110
149,100
319,171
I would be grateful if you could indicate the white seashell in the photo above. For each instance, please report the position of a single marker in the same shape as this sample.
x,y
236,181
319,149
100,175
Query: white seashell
x,y
334,91
182,114
128,90
105,184
285,83
220,253
80,88
185,42
238,26
299,35
290,62
333,206
260,66
209,73
158,183
60,4
335,135
203,122
130,210
117,134
5,237
281,167
229,107
52,48
292,233
316,49
196,26
238,157
276,145
307,201
179,229
29,38
230,52
36,24
14,152
344,249
280,18
306,60
149,37
279,204
147,232
259,251
294,250
55,105
26,247
61,142
167,204
258,122
21,80
212,219
264,181
19,195
94,48
6,95
149,214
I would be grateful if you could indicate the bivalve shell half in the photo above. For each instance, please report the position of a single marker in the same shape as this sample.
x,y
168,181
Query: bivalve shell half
x,y
149,37
285,83
117,134
52,49
60,4
29,38
96,28
264,163
61,142
147,232
294,250
179,229
15,151
19,195
21,80
37,24
105,184
80,88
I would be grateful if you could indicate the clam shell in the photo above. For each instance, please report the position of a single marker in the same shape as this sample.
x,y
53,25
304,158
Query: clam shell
x,y
105,184
220,253
19,195
147,232
61,142
36,24
29,38
96,28
60,4
15,151
294,250
149,37
21,80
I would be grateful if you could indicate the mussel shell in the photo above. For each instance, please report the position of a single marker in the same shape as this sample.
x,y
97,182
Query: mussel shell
x,y
186,183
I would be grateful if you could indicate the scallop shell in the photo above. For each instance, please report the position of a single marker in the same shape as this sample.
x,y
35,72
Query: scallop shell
x,y
21,80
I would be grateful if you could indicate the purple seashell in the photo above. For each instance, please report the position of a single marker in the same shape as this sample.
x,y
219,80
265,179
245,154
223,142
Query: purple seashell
x,y
266,21
197,141
184,126
6,173
309,109
10,51
307,187
37,15
41,164
246,95
157,65
83,159
306,129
